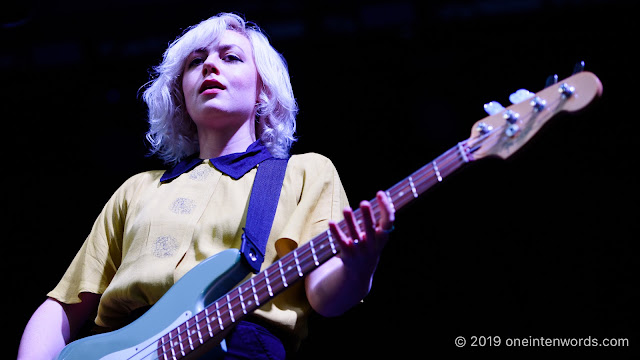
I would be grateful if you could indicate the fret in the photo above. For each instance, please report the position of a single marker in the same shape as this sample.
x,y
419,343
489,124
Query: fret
x,y
165,345
323,251
233,319
190,332
295,256
173,336
255,295
284,278
173,352
219,319
435,168
333,246
189,335
197,330
206,313
244,309
266,278
413,188
313,252
390,200
180,340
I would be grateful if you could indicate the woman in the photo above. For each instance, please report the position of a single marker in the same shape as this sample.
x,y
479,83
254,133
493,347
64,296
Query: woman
x,y
220,103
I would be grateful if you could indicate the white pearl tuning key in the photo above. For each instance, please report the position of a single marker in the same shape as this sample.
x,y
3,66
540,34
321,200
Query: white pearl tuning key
x,y
520,96
493,107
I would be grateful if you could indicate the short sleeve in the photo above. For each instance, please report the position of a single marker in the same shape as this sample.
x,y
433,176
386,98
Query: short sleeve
x,y
98,259
314,195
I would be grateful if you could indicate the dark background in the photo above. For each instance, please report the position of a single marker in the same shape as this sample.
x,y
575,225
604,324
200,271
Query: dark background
x,y
540,245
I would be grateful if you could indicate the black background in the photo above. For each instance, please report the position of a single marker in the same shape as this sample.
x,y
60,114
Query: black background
x,y
540,245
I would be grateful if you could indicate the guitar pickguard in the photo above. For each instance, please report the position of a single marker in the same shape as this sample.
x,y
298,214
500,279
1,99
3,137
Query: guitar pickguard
x,y
147,350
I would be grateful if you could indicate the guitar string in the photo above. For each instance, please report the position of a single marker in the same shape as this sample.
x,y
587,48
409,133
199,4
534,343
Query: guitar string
x,y
307,256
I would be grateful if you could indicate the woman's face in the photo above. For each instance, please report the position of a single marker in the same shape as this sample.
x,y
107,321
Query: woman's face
x,y
220,82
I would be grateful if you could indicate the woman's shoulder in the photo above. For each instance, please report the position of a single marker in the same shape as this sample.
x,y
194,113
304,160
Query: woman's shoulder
x,y
310,159
141,180
312,167
149,176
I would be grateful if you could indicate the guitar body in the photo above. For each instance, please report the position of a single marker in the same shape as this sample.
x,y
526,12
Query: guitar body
x,y
202,285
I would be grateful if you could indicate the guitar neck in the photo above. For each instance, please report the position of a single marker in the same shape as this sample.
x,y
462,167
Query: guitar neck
x,y
276,278
303,260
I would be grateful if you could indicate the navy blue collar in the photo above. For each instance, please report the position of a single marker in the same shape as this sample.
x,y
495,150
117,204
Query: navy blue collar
x,y
234,165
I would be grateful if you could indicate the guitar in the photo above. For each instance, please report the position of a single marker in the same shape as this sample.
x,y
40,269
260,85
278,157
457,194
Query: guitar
x,y
195,315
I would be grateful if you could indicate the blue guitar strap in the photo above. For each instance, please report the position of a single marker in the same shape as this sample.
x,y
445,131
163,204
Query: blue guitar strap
x,y
262,209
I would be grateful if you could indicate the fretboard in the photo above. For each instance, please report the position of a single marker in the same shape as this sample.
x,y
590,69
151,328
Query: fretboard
x,y
289,269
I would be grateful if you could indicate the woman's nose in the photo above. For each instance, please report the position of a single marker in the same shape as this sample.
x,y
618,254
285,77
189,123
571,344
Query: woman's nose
x,y
209,67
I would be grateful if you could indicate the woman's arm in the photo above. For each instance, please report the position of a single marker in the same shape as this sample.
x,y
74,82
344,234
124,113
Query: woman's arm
x,y
53,325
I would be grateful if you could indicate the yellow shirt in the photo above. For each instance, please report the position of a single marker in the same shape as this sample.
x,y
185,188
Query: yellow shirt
x,y
149,234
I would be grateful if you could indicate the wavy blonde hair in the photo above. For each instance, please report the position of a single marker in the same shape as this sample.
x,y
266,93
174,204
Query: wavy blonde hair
x,y
172,133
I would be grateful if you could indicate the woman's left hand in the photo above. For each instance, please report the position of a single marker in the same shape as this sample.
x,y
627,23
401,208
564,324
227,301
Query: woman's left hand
x,y
361,246
346,279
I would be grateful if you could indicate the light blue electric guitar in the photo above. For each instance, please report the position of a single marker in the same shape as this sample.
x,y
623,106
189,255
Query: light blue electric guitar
x,y
195,315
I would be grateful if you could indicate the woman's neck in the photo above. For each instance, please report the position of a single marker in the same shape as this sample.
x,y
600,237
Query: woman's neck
x,y
220,142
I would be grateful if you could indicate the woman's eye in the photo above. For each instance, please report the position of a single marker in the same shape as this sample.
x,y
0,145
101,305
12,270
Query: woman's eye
x,y
232,58
195,62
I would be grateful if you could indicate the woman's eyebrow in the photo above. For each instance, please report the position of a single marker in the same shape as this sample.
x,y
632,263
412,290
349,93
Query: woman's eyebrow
x,y
220,48
198,51
226,47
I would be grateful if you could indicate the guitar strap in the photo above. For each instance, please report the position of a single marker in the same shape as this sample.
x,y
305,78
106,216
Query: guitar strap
x,y
262,209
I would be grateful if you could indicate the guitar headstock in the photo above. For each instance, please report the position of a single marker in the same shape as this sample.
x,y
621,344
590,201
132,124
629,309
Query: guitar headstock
x,y
505,132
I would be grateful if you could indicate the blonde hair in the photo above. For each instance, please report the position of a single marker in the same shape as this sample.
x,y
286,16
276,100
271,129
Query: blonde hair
x,y
173,135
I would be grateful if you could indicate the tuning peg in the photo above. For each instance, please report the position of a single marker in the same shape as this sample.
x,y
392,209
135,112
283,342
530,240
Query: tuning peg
x,y
579,67
520,96
484,128
538,104
552,79
493,107
566,90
